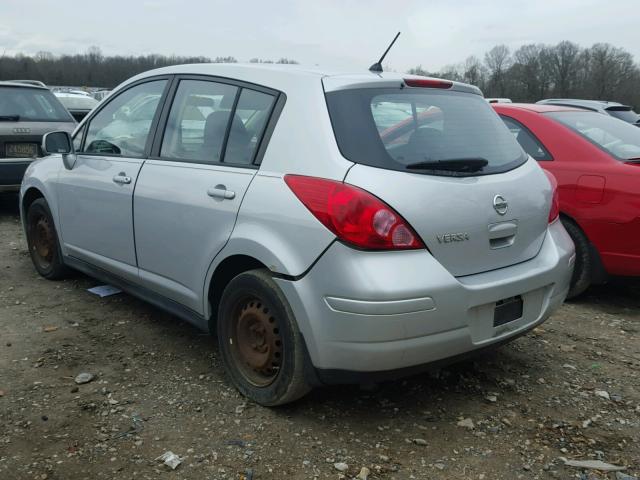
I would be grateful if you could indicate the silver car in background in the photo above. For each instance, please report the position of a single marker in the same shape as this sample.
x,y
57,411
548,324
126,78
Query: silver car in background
x,y
327,227
614,109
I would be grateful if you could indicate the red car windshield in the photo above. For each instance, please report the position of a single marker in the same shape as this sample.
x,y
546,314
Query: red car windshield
x,y
619,138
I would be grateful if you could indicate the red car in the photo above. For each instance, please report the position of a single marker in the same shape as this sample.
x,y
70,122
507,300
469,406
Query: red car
x,y
596,160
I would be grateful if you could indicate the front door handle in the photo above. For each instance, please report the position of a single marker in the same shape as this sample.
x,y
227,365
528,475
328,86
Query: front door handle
x,y
122,179
220,191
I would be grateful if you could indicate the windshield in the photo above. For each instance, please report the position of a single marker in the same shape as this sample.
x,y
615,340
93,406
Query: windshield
x,y
31,105
396,128
625,114
620,139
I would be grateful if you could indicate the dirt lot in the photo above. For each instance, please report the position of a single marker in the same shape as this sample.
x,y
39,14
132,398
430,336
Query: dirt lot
x,y
159,386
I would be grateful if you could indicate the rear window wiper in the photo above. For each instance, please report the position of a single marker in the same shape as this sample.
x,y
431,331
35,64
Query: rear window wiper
x,y
9,118
451,165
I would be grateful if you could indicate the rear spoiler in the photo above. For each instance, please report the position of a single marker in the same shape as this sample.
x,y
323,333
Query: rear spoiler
x,y
348,82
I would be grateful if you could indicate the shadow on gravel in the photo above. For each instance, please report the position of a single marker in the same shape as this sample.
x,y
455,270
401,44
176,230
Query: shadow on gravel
x,y
9,205
436,396
619,293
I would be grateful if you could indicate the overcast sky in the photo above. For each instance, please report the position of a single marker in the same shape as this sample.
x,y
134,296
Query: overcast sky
x,y
329,33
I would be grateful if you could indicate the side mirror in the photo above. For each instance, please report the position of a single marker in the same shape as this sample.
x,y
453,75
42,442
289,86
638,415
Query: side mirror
x,y
59,142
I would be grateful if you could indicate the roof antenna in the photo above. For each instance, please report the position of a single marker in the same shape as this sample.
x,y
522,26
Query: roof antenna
x,y
377,67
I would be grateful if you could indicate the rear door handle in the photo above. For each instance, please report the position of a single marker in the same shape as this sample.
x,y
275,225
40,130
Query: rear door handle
x,y
122,179
220,191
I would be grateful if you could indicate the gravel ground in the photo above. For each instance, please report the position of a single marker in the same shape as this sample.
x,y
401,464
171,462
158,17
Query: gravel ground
x,y
569,389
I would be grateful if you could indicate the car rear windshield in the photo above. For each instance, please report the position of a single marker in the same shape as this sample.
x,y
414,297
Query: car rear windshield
x,y
624,113
620,139
31,105
393,128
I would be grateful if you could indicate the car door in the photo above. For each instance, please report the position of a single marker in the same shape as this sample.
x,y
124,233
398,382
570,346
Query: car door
x,y
188,194
96,195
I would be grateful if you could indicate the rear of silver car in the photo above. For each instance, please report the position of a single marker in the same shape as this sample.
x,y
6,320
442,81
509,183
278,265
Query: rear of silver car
x,y
27,112
490,261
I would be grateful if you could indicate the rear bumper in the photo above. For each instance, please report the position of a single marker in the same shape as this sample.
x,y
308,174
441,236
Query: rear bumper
x,y
11,173
383,311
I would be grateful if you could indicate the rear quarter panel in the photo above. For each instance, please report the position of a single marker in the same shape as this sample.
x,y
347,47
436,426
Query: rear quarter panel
x,y
273,226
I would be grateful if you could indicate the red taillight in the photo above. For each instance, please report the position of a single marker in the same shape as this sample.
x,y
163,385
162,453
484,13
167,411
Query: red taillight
x,y
427,83
554,211
354,215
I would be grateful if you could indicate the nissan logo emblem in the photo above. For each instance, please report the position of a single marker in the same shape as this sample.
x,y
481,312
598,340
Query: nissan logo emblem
x,y
500,205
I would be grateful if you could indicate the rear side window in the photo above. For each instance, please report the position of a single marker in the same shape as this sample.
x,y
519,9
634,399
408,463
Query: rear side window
x,y
198,121
212,122
623,113
391,128
32,105
620,139
526,139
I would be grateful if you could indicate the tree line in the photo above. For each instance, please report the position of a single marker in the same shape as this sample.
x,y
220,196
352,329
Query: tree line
x,y
537,71
93,69
530,73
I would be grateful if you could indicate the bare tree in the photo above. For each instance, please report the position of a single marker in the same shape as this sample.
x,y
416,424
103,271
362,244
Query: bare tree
x,y
564,62
225,60
527,70
473,72
608,69
418,71
498,61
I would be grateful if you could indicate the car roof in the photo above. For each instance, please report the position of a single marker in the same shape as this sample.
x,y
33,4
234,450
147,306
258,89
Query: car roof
x,y
590,104
535,107
287,76
22,85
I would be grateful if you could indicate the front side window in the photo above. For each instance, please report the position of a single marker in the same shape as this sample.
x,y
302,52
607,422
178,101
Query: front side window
x,y
399,128
526,139
620,139
198,120
122,127
31,105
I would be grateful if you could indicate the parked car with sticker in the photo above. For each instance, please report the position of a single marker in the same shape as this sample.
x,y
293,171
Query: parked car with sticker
x,y
27,112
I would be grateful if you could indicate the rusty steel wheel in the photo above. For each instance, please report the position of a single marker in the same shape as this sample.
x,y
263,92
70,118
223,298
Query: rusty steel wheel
x,y
43,243
42,240
255,342
261,346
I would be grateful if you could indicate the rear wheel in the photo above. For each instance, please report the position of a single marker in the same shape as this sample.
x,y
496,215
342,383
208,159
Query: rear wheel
x,y
260,344
583,269
42,240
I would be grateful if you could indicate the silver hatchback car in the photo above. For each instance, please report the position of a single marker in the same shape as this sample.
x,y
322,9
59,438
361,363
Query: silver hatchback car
x,y
327,227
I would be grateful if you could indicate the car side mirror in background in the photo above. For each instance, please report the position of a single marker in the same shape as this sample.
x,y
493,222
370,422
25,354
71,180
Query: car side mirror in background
x,y
59,142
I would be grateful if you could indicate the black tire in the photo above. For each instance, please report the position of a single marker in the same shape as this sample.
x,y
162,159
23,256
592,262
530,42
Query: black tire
x,y
42,240
583,270
261,347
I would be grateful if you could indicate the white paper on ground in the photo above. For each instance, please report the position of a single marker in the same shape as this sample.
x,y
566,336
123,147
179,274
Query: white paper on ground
x,y
104,290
